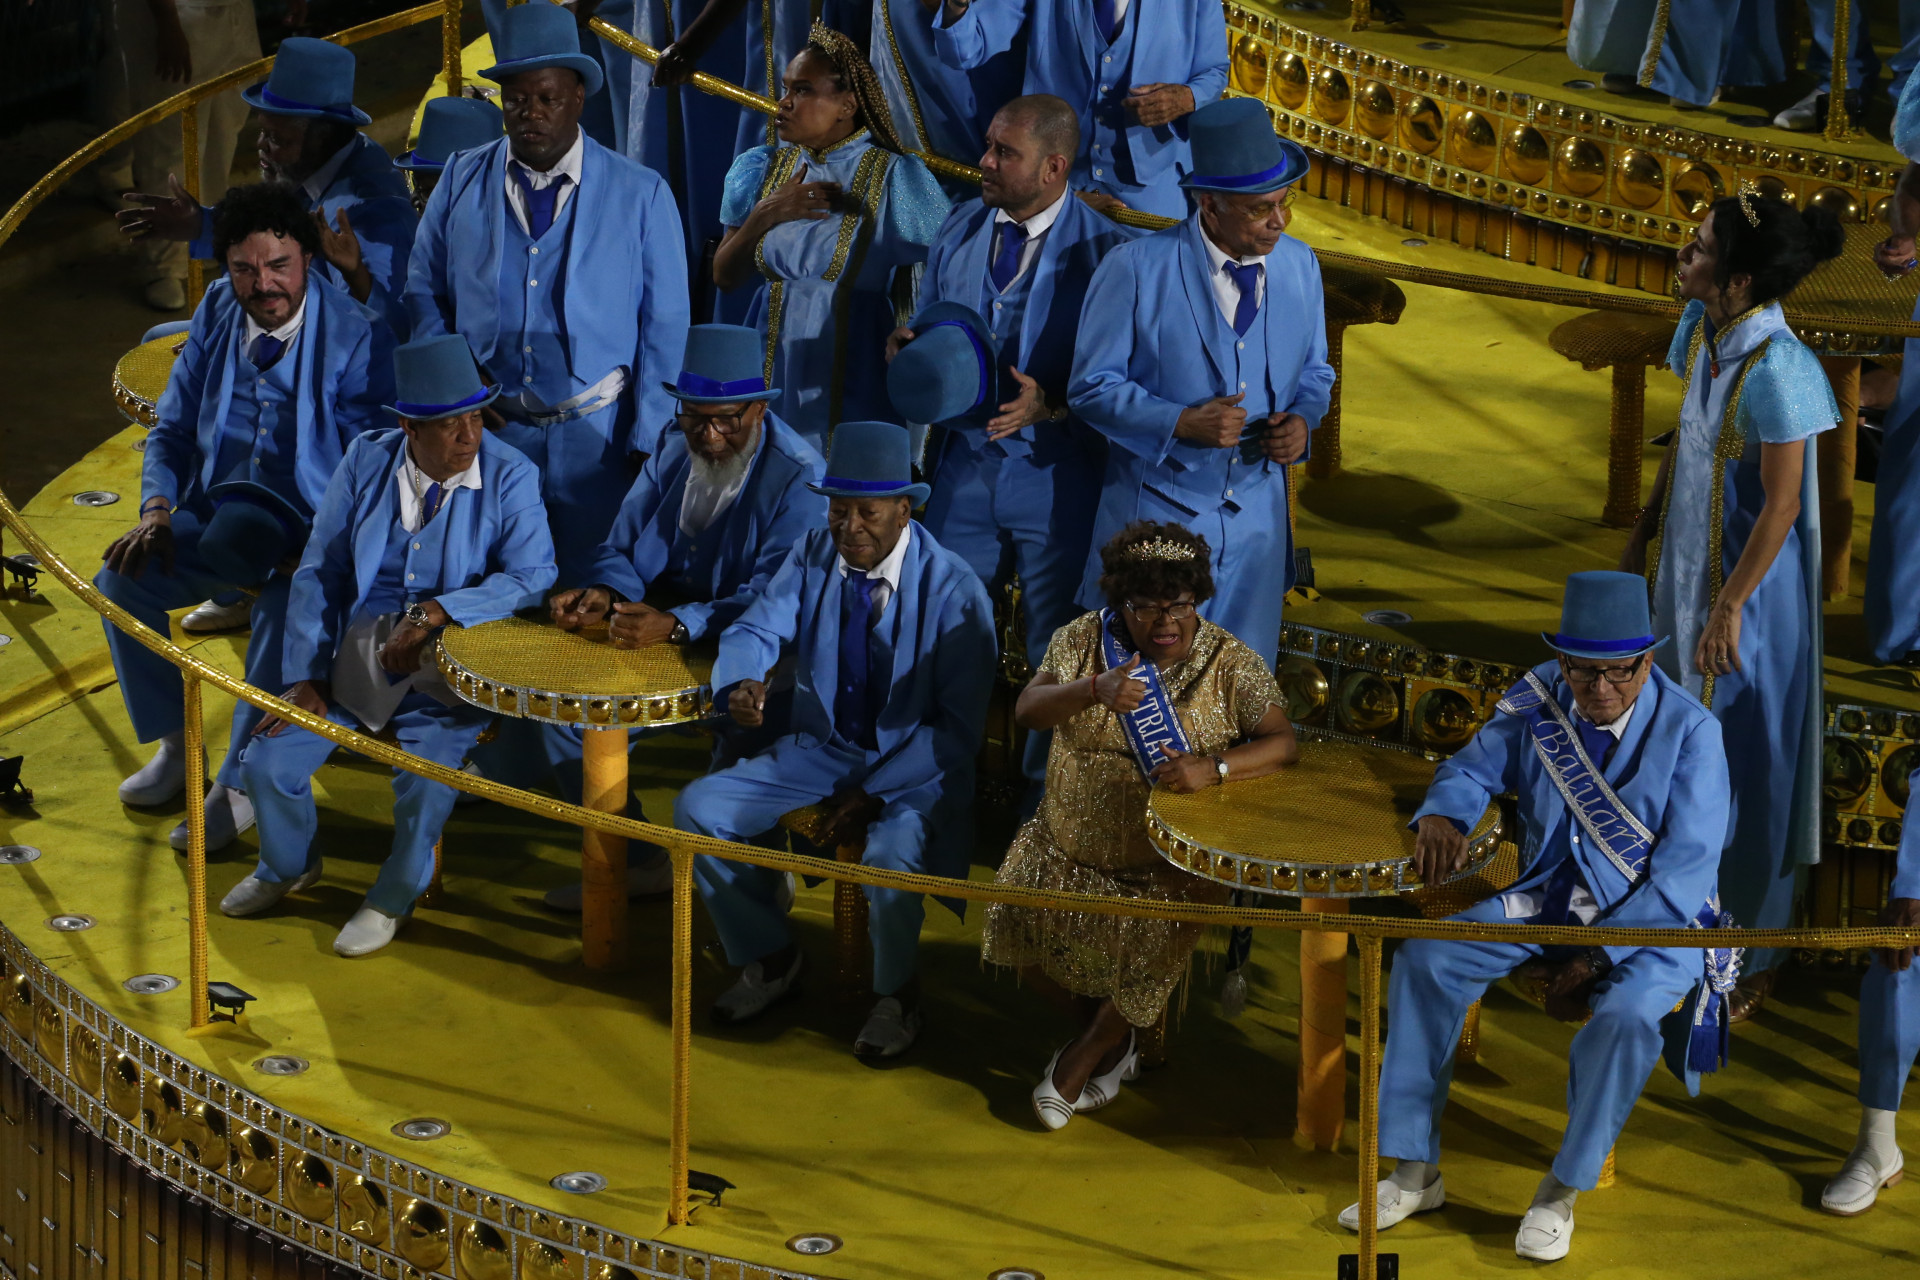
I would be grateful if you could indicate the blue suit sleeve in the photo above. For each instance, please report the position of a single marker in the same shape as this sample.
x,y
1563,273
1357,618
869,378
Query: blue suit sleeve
x,y
1209,76
665,312
366,383
172,459
987,27
1103,391
521,557
800,510
1314,392
323,585
949,739
751,646
428,302
1906,872
1484,768
640,540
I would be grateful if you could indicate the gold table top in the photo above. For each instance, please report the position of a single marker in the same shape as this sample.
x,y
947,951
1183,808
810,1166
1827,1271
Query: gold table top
x,y
1332,825
140,377
535,671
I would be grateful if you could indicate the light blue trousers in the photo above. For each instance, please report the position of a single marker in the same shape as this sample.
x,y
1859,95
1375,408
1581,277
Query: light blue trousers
x,y
746,800
1889,1033
1612,1055
279,777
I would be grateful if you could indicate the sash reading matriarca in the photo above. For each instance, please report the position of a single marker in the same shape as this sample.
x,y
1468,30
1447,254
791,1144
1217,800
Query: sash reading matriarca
x,y
1153,724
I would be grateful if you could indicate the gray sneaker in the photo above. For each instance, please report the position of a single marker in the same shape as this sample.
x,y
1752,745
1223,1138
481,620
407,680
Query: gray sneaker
x,y
755,992
890,1030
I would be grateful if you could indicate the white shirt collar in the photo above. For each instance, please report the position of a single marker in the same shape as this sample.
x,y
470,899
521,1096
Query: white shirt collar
x,y
286,331
568,164
406,475
1619,726
888,570
1040,223
320,179
1217,256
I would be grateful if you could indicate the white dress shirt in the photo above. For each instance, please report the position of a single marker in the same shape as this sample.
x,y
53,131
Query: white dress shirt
x,y
1225,291
703,502
568,165
1036,226
887,573
320,179
286,332
413,484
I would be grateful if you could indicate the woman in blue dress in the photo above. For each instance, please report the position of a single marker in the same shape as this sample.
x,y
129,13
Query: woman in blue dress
x,y
1732,536
836,219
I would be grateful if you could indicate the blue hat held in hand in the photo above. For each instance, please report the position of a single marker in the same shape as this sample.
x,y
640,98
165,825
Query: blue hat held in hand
x,y
309,78
448,125
532,36
725,364
251,531
437,378
947,370
1604,616
870,460
1236,151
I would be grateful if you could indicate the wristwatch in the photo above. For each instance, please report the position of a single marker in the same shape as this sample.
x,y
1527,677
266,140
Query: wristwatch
x,y
680,635
1220,767
417,615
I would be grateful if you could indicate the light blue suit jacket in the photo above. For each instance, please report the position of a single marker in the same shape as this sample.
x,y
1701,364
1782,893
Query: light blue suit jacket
x,y
930,727
1669,770
496,547
344,372
772,512
626,303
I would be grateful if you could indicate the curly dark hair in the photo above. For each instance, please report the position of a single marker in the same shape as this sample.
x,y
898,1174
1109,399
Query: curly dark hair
x,y
276,207
1780,251
855,75
1129,572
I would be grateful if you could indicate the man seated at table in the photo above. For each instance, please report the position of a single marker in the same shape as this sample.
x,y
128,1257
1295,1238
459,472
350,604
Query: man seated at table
x,y
428,525
705,527
1624,801
892,637
280,371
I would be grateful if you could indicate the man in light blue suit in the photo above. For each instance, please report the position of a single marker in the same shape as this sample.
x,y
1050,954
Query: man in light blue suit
x,y
939,108
562,265
1863,64
891,637
1203,360
430,525
1134,70
1889,1041
281,370
1624,802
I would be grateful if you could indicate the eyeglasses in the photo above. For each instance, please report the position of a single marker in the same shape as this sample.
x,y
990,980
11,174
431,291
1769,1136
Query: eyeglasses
x,y
1590,675
1263,209
730,424
1153,612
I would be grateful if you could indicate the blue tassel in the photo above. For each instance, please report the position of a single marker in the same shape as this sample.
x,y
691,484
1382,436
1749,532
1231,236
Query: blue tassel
x,y
1707,1045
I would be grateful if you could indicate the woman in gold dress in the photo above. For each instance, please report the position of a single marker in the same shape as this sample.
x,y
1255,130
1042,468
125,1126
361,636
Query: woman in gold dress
x,y
1098,688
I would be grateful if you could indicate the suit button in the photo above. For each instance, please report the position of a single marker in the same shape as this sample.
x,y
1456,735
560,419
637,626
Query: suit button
x,y
528,379
1241,345
416,546
529,350
1243,386
409,577
535,249
533,284
1099,173
1229,493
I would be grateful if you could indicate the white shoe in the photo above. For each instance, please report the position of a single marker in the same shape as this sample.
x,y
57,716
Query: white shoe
x,y
889,1031
754,993
1101,1090
1052,1109
368,931
167,294
229,812
1396,1205
647,880
1546,1233
160,779
253,895
210,616
1857,1185
1803,116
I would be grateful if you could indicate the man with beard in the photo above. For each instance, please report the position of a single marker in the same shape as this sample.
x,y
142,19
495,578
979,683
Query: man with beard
x,y
281,370
310,137
705,527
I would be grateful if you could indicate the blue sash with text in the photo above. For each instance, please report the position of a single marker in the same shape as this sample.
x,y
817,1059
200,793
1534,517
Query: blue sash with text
x,y
1153,724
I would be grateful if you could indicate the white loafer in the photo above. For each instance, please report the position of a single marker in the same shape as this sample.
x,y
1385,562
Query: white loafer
x,y
253,895
368,931
1396,1205
228,812
1857,1185
1052,1110
1545,1234
210,616
644,880
160,779
1103,1089
889,1032
755,993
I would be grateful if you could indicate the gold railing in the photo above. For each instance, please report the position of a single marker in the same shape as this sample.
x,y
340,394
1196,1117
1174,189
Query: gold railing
x,y
683,846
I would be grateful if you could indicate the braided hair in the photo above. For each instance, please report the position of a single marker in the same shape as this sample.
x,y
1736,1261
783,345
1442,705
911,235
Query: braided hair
x,y
855,74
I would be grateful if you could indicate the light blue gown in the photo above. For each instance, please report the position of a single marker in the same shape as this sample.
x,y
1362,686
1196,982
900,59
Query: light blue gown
x,y
835,288
1890,1000
1685,49
1893,554
1771,707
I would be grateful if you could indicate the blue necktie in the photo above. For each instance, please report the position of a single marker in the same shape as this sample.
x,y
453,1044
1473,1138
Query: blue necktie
x,y
265,350
430,503
1006,262
541,202
1106,19
1247,281
1598,742
852,708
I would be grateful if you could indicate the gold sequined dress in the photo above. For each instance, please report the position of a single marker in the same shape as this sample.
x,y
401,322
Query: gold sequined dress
x,y
1089,835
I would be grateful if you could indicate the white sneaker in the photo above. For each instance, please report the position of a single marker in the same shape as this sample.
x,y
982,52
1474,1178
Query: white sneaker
x,y
889,1032
644,880
754,993
1052,1109
1803,116
1546,1233
211,616
253,895
1857,1185
160,779
1396,1205
1103,1089
368,931
167,294
229,812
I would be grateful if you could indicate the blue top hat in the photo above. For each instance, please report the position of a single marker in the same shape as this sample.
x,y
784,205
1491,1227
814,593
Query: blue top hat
x,y
947,370
309,78
436,378
252,530
725,364
1235,150
870,460
532,36
1604,615
449,125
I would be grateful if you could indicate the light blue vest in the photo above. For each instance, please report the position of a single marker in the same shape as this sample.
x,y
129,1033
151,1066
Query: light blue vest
x,y
1221,475
262,432
533,281
1109,156
411,568
1006,314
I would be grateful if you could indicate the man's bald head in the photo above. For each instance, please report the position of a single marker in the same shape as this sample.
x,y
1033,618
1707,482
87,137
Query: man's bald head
x,y
1031,146
1052,122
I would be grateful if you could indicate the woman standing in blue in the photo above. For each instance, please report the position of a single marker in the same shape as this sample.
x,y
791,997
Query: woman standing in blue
x,y
834,219
1732,535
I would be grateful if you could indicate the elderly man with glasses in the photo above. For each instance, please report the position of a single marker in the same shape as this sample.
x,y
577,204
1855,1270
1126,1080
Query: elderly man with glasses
x,y
1623,799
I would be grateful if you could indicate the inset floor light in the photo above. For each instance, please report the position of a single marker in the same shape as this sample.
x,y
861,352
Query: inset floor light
x,y
18,854
151,984
422,1130
815,1243
70,923
281,1064
579,1184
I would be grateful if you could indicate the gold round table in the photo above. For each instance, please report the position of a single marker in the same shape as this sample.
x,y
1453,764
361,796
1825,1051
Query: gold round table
x,y
140,377
1329,828
535,671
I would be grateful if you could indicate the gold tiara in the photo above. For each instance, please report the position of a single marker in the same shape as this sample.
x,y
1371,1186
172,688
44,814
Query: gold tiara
x,y
1748,190
1160,549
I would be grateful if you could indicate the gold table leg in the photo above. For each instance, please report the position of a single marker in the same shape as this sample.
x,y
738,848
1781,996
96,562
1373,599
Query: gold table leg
x,y
1322,1105
851,945
1323,459
1626,443
1836,451
603,857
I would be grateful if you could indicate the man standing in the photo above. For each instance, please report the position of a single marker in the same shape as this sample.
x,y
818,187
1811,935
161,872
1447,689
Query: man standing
x,y
562,265
281,370
1203,360
1133,83
422,527
1640,850
892,641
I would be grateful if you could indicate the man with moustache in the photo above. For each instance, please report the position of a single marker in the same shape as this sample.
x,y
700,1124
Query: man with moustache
x,y
891,636
433,524
562,265
280,371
